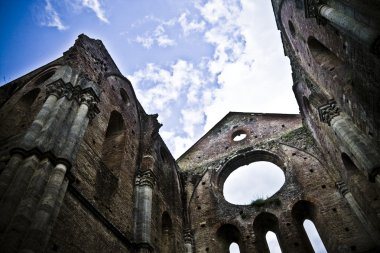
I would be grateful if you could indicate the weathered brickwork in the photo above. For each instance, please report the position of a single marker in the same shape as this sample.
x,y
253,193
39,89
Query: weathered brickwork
x,y
84,169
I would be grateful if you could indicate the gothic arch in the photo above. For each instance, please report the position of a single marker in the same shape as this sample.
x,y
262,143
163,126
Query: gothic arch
x,y
322,55
363,191
114,142
301,211
241,160
107,176
226,235
20,115
263,223
44,76
167,234
124,96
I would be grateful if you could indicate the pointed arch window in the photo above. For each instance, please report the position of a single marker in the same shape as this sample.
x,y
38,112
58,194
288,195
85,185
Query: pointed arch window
x,y
234,248
272,241
229,238
314,237
167,234
44,77
21,114
304,213
113,145
267,230
125,97
322,55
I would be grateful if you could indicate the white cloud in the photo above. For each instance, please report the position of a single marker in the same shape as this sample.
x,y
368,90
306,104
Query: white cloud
x,y
96,7
191,118
175,93
192,26
157,86
181,144
52,18
246,70
162,39
146,42
158,36
252,72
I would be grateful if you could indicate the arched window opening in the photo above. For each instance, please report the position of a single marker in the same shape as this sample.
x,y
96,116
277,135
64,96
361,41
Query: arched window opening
x,y
303,213
239,135
45,76
125,97
253,184
363,192
272,241
113,145
322,55
292,29
264,226
228,239
234,248
29,98
349,164
20,116
306,104
314,237
167,234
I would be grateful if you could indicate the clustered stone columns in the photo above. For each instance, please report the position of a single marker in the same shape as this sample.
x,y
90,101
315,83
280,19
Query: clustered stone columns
x,y
364,34
34,182
342,187
144,184
359,145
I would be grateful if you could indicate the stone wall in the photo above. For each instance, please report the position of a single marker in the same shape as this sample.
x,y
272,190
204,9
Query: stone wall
x,y
83,168
309,191
109,155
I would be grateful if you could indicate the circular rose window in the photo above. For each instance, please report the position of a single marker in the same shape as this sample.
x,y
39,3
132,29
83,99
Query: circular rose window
x,y
256,181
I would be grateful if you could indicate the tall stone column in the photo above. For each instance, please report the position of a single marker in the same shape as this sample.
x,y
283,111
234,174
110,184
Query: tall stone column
x,y
83,115
366,35
145,182
55,189
35,189
358,211
43,218
360,32
359,146
53,93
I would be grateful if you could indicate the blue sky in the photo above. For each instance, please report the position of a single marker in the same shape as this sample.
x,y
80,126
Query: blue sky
x,y
189,61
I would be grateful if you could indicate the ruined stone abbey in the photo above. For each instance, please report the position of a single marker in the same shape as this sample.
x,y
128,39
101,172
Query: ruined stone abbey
x,y
84,169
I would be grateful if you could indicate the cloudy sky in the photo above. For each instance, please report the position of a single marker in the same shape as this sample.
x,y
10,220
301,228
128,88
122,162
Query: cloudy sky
x,y
189,61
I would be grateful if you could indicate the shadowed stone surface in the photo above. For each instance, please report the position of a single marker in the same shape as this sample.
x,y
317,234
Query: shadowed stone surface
x,y
84,169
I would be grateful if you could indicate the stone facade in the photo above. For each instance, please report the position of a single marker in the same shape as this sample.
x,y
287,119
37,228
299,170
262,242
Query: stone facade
x,y
84,169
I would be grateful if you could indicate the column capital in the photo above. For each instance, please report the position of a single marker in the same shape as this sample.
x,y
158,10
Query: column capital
x,y
311,8
146,178
57,88
342,187
91,101
328,111
188,236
